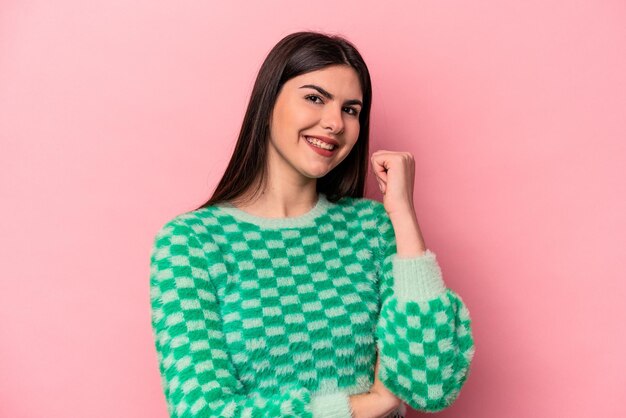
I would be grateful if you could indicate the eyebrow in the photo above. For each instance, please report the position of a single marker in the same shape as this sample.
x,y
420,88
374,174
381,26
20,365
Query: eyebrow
x,y
330,96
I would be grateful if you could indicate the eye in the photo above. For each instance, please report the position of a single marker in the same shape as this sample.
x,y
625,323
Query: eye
x,y
351,110
314,96
355,112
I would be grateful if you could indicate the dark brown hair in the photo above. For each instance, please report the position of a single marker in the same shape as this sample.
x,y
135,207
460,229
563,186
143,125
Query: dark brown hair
x,y
296,54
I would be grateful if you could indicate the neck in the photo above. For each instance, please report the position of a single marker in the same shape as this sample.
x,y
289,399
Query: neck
x,y
275,202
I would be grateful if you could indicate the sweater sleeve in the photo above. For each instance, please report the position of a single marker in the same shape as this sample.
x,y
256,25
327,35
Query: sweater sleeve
x,y
197,376
424,336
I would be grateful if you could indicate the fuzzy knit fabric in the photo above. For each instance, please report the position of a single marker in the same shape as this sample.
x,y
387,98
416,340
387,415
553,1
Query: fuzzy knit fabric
x,y
283,317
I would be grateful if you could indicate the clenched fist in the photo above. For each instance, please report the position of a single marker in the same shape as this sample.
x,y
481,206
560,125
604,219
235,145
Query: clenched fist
x,y
395,173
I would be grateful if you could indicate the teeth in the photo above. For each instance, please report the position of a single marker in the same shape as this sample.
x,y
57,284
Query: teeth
x,y
320,144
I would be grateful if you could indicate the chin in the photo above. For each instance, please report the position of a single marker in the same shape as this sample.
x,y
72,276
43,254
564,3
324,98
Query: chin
x,y
322,169
315,174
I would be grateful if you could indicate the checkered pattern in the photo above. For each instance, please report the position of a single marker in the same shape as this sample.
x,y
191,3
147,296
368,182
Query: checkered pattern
x,y
259,320
424,331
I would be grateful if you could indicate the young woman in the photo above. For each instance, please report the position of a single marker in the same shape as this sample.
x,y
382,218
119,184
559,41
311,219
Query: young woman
x,y
290,294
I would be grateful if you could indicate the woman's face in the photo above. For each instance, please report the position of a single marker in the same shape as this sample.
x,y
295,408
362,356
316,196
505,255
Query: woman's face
x,y
303,109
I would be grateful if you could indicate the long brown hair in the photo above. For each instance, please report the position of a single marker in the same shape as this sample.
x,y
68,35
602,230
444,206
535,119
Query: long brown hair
x,y
296,54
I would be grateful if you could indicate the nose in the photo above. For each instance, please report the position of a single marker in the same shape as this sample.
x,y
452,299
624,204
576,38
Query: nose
x,y
333,119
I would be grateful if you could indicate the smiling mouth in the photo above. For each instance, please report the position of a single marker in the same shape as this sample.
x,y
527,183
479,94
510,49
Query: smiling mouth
x,y
320,144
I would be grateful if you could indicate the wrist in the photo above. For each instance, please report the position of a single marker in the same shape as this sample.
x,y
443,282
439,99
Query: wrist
x,y
401,213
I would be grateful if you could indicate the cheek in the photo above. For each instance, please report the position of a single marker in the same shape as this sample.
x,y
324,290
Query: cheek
x,y
303,117
354,131
293,120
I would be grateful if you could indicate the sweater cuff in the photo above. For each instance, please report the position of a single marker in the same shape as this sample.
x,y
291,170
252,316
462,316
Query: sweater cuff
x,y
332,405
417,278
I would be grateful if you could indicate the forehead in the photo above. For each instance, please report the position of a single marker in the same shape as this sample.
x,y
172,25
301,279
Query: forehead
x,y
340,80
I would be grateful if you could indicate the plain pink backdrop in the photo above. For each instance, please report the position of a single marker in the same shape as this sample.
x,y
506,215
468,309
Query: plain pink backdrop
x,y
116,116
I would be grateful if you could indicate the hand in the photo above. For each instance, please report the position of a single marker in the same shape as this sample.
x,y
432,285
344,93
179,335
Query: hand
x,y
378,388
395,173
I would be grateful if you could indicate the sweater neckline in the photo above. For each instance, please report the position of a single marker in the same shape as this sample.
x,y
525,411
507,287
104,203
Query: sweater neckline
x,y
307,218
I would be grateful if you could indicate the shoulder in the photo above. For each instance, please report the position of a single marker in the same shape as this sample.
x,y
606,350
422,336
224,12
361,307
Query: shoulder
x,y
373,220
363,208
361,205
197,223
198,230
369,213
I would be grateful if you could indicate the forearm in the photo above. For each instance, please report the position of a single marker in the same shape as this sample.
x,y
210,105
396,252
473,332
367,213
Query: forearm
x,y
409,240
370,405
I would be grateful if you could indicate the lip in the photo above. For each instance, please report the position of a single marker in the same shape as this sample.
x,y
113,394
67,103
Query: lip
x,y
325,139
321,151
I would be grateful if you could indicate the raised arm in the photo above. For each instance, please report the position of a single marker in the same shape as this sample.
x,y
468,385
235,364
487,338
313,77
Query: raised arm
x,y
424,334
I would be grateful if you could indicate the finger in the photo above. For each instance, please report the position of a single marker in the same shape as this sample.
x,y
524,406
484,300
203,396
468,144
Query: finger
x,y
380,165
379,170
380,184
380,179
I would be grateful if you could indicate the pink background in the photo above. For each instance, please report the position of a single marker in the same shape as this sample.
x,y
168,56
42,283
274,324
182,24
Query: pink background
x,y
116,116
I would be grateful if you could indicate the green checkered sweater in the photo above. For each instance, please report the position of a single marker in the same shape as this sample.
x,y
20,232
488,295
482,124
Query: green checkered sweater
x,y
283,317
